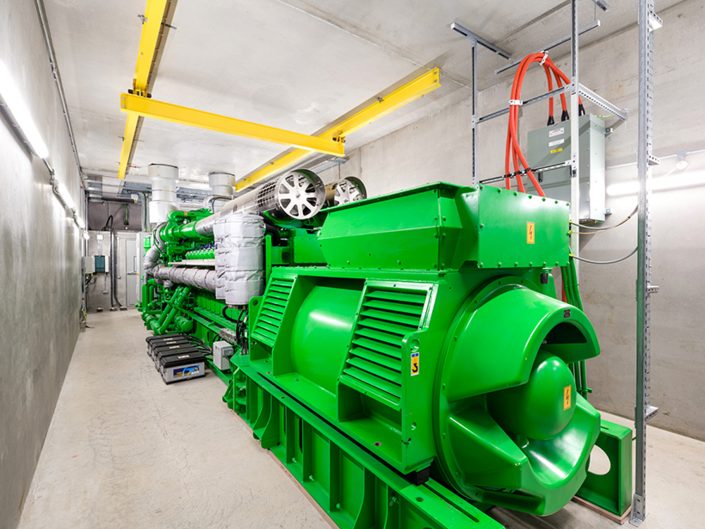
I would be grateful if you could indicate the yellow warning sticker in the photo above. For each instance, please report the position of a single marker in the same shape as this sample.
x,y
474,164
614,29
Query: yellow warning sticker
x,y
556,150
530,233
567,392
414,364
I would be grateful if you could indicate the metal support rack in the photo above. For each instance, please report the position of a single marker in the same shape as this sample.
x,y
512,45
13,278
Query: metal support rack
x,y
648,22
575,89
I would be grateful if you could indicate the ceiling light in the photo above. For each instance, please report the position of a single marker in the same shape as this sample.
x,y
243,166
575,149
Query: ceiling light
x,y
20,113
682,163
665,183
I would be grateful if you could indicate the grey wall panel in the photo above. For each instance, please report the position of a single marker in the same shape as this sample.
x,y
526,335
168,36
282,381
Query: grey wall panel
x,y
40,283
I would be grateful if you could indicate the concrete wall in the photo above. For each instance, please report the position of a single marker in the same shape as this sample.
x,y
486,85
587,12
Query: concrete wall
x,y
438,148
39,263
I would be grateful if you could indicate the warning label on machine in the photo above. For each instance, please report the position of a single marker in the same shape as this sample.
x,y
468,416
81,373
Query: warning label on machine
x,y
530,233
567,391
414,364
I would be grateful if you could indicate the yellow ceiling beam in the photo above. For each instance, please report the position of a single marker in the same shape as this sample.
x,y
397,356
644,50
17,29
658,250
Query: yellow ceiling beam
x,y
421,85
151,108
128,141
154,14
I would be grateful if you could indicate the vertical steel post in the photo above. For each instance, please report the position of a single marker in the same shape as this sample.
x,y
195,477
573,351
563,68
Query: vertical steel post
x,y
574,136
644,288
473,79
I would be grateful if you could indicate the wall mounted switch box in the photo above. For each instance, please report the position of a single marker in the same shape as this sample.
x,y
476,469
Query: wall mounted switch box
x,y
100,264
88,265
549,146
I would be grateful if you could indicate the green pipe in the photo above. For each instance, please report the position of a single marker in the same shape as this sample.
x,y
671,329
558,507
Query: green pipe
x,y
572,295
174,304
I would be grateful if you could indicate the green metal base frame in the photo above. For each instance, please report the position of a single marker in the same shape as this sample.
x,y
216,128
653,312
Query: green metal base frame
x,y
612,491
354,488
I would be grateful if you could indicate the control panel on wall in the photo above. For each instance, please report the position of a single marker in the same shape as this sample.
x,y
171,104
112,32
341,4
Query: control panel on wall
x,y
100,264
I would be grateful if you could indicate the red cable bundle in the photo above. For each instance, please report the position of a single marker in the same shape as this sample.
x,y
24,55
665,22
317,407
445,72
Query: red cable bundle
x,y
513,149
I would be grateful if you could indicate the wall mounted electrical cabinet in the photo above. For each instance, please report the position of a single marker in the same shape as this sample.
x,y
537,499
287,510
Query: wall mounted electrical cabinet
x,y
550,146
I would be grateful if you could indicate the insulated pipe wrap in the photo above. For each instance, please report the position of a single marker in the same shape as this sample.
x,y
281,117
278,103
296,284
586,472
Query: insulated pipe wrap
x,y
194,277
150,259
239,259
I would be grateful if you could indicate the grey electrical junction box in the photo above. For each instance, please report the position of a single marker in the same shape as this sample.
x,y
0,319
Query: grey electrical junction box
x,y
551,145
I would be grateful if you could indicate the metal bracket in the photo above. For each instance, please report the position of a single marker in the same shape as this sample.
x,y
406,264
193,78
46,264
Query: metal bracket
x,y
655,21
638,510
650,412
550,46
603,103
475,38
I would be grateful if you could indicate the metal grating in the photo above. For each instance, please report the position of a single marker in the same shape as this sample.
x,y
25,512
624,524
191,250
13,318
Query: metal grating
x,y
374,363
271,314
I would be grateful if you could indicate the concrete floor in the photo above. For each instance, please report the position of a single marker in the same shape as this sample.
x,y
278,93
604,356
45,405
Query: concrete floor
x,y
126,451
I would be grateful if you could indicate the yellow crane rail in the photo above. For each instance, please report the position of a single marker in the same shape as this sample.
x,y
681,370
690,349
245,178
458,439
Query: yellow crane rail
x,y
154,15
421,85
150,108
138,105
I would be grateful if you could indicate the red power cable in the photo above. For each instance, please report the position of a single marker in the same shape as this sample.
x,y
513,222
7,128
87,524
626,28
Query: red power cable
x,y
513,152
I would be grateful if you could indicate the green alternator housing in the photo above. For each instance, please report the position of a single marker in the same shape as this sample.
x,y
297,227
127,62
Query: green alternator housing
x,y
432,336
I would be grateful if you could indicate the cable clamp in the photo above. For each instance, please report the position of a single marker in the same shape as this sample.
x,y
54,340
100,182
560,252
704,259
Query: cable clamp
x,y
543,59
515,102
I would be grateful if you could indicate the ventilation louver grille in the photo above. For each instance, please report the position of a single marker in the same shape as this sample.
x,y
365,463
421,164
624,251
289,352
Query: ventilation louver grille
x,y
271,314
374,363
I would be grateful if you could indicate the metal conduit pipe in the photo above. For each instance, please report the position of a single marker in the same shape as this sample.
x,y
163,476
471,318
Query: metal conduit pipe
x,y
112,198
202,278
41,12
145,211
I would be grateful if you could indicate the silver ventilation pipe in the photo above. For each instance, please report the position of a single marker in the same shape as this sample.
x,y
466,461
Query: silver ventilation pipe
x,y
163,199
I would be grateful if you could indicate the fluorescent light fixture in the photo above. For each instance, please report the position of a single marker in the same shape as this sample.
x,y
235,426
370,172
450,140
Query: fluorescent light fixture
x,y
664,183
19,111
64,194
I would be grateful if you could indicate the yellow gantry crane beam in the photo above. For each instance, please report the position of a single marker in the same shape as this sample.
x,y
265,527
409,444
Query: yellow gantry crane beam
x,y
154,15
399,97
138,104
145,107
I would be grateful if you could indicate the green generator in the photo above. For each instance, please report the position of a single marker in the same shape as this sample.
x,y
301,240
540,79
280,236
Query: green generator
x,y
409,360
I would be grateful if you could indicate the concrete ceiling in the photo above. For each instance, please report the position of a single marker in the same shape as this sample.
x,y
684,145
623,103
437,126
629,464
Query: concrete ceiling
x,y
296,64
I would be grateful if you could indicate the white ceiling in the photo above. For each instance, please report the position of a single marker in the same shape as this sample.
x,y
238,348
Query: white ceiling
x,y
296,64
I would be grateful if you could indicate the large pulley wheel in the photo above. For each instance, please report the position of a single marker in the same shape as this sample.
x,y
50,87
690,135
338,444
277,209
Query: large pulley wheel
x,y
300,194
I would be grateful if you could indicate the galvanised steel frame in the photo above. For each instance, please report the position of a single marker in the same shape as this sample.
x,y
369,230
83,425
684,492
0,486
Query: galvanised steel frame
x,y
648,22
